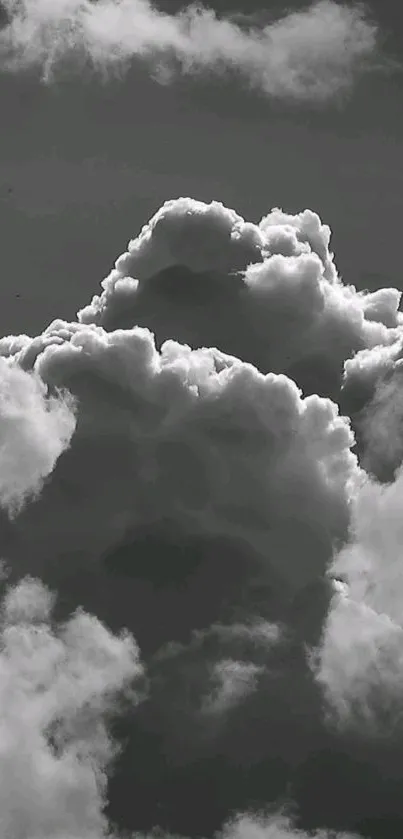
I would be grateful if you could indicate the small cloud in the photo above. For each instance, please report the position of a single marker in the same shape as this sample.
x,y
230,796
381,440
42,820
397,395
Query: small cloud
x,y
278,825
360,660
58,685
36,426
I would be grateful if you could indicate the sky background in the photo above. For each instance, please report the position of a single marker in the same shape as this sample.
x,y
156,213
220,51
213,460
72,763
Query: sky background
x,y
84,164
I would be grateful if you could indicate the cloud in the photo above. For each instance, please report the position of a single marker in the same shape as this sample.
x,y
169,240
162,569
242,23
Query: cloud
x,y
360,661
58,686
372,394
275,826
264,825
261,825
199,501
312,54
268,293
197,438
196,687
36,426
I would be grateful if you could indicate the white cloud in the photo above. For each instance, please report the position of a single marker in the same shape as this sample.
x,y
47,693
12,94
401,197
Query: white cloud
x,y
372,392
250,825
276,826
35,428
360,662
268,292
312,54
57,686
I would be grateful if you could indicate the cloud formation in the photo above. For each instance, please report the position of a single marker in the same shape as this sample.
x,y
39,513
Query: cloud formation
x,y
361,661
185,489
226,492
313,54
372,393
58,685
199,685
275,826
197,438
36,426
268,293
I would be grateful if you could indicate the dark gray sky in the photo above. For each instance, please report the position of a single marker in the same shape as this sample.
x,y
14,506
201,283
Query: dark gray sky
x,y
84,164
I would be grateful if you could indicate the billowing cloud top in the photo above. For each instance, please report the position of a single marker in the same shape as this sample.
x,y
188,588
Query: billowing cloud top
x,y
312,54
268,292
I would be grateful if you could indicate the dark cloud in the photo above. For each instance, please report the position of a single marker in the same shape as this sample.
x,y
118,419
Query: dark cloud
x,y
197,438
196,492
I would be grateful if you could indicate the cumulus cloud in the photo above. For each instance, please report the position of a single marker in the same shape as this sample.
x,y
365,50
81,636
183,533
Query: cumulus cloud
x,y
202,502
360,662
196,491
36,426
372,394
261,825
58,686
264,825
193,437
275,826
312,54
268,292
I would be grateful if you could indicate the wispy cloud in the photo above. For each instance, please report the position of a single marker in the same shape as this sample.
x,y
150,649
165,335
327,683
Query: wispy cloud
x,y
313,54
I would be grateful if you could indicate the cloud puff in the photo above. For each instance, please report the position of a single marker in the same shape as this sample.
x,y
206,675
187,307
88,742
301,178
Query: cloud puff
x,y
268,293
195,688
36,426
58,685
312,54
372,395
265,825
360,662
275,826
